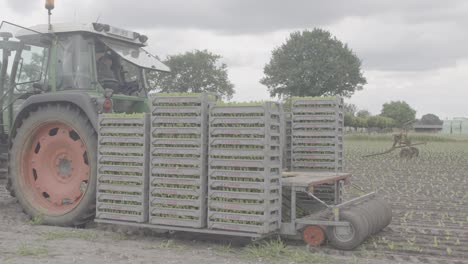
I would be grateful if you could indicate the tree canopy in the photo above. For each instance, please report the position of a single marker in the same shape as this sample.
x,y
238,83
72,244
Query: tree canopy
x,y
400,111
313,63
197,71
363,113
431,119
350,108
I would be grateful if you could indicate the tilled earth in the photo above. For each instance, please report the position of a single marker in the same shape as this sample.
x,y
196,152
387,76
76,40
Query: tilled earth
x,y
429,198
430,223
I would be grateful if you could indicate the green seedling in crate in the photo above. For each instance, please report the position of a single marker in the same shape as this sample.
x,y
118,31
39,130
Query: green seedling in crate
x,y
177,135
119,211
136,183
240,179
119,202
233,200
237,211
177,186
119,192
176,124
175,206
242,222
237,157
185,217
238,125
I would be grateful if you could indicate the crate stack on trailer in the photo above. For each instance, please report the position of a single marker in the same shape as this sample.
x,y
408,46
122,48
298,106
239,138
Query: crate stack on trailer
x,y
178,177
287,140
122,180
245,166
317,134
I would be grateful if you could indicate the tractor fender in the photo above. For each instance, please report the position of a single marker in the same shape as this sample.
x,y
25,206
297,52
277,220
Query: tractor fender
x,y
81,100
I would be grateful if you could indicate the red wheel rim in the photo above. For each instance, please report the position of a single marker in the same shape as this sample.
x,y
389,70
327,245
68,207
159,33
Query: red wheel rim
x,y
54,168
314,235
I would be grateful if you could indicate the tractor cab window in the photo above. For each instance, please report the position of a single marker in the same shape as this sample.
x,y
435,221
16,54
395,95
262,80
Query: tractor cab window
x,y
74,66
129,64
115,73
24,54
31,67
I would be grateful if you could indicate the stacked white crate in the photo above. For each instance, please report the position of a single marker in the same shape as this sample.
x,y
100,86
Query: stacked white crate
x,y
178,181
245,168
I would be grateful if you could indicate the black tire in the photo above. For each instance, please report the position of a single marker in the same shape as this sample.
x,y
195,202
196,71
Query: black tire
x,y
357,233
414,152
84,210
371,215
406,153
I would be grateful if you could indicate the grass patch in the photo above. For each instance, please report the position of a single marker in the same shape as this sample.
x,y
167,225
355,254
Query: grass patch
x,y
37,220
277,251
69,234
224,249
119,236
165,244
169,244
28,250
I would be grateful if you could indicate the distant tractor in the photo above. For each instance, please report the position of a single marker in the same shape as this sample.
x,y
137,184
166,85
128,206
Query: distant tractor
x,y
54,82
402,141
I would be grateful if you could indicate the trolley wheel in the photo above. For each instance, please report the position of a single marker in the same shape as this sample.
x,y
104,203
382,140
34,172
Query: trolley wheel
x,y
414,152
406,153
313,235
348,237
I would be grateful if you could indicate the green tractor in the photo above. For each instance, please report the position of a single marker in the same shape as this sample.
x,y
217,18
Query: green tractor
x,y
54,82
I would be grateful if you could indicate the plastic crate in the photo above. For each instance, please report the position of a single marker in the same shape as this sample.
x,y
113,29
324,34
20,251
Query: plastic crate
x,y
317,126
178,181
245,164
122,179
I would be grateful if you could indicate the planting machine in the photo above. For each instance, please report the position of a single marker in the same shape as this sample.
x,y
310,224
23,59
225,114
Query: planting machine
x,y
85,142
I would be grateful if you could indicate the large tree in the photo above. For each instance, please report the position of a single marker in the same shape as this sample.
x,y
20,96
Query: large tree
x,y
399,111
313,63
350,109
431,119
363,113
197,71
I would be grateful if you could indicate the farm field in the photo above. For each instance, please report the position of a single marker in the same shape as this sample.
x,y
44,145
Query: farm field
x,y
428,194
430,224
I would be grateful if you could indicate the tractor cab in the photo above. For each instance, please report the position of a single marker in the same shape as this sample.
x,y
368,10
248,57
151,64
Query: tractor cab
x,y
95,58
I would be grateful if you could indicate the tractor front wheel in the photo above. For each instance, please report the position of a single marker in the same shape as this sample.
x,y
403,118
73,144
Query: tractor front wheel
x,y
53,165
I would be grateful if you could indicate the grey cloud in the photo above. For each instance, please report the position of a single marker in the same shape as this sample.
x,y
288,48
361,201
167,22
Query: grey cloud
x,y
25,6
247,16
258,18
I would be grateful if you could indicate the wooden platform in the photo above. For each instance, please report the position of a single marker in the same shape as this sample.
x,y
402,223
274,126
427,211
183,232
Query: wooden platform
x,y
307,178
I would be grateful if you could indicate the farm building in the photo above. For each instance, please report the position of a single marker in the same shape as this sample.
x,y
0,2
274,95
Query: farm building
x,y
458,125
423,128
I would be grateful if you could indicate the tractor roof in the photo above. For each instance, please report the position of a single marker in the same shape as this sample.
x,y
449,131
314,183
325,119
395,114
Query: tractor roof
x,y
95,28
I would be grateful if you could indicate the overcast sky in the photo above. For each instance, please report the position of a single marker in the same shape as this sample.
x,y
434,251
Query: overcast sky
x,y
412,50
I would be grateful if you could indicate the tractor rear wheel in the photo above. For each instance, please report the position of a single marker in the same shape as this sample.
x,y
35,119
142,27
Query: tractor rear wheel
x,y
53,166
